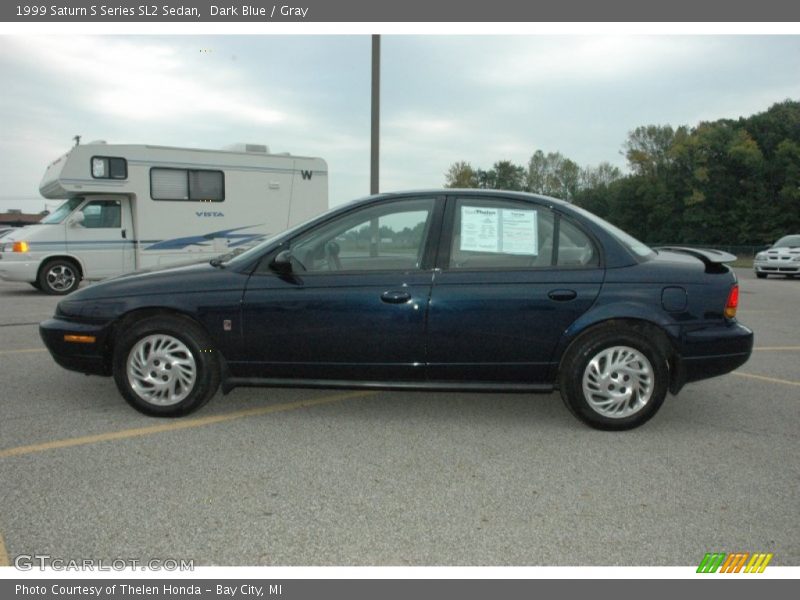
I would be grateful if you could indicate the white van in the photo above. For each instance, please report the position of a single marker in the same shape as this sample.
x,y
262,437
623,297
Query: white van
x,y
130,207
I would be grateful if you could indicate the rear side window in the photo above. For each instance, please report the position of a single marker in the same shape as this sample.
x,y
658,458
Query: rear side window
x,y
499,234
197,185
575,249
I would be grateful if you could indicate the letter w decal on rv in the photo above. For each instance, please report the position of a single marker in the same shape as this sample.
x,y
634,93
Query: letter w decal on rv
x,y
306,174
234,239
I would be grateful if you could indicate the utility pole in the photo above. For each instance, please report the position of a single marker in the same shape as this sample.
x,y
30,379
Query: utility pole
x,y
376,115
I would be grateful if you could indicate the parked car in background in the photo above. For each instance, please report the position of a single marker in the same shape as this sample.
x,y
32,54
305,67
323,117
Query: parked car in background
x,y
470,290
782,258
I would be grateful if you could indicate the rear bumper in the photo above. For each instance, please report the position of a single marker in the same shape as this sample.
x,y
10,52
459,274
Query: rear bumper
x,y
710,352
90,358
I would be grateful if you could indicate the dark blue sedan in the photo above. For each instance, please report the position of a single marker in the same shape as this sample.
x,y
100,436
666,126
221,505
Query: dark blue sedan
x,y
439,290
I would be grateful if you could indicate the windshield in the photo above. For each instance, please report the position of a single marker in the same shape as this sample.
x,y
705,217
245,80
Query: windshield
x,y
630,242
62,211
790,241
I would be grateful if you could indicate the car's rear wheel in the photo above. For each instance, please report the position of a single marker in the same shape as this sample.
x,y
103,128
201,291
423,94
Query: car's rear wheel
x,y
761,275
58,277
165,366
614,378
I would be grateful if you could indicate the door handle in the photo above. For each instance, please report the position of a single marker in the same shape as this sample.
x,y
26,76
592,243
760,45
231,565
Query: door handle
x,y
562,295
395,297
124,234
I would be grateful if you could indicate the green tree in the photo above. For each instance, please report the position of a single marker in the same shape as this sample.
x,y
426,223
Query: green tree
x,y
461,175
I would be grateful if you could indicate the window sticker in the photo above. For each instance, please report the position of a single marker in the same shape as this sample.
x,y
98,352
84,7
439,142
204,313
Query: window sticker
x,y
480,229
508,231
520,233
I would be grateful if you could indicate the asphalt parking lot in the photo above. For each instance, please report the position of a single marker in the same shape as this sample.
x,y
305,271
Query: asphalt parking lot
x,y
310,477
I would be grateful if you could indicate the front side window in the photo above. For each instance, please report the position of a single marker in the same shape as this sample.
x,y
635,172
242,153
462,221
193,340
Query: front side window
x,y
500,234
196,185
102,214
386,237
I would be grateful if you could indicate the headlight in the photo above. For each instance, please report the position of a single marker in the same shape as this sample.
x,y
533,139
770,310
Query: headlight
x,y
761,256
15,247
796,258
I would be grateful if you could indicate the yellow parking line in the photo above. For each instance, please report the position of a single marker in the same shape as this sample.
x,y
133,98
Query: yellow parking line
x,y
175,425
23,350
4,562
779,348
764,378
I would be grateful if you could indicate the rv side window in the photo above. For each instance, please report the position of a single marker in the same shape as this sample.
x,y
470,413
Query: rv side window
x,y
108,167
187,184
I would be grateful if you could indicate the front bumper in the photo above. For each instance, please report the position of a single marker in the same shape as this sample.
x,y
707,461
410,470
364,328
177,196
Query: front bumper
x,y
90,358
777,267
712,351
14,268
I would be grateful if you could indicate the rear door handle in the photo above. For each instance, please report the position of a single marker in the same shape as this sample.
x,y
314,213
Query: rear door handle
x,y
395,297
562,295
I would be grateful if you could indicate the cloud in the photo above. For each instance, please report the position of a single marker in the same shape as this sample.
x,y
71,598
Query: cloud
x,y
151,81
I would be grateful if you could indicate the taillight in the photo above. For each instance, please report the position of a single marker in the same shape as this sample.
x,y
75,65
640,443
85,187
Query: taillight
x,y
733,302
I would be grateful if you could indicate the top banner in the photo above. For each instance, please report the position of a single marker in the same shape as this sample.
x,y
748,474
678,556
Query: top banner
x,y
455,11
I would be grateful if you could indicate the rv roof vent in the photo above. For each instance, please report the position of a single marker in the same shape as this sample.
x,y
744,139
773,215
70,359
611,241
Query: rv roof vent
x,y
243,147
98,142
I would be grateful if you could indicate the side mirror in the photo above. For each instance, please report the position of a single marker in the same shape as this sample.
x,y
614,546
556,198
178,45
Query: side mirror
x,y
77,219
282,263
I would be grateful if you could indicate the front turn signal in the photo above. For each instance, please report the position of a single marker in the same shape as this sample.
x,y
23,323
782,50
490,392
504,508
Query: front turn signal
x,y
20,247
80,339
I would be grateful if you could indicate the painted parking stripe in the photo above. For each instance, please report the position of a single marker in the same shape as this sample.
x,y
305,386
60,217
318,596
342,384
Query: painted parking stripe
x,y
23,351
176,425
779,348
765,378
4,562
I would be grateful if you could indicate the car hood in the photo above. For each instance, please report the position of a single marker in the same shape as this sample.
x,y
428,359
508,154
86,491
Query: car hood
x,y
781,252
188,278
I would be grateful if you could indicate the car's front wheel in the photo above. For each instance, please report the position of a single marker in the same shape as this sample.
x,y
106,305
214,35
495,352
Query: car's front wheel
x,y
58,277
165,366
614,378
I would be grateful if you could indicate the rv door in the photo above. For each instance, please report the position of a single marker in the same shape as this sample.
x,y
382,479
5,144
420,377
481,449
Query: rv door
x,y
99,233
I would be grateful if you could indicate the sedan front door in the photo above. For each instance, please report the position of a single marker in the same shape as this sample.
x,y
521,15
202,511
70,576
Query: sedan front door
x,y
353,307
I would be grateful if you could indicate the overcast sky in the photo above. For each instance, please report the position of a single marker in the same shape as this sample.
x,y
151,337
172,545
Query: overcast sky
x,y
444,98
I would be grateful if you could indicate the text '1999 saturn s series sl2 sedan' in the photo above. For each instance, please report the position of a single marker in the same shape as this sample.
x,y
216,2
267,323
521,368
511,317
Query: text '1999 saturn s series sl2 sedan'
x,y
461,290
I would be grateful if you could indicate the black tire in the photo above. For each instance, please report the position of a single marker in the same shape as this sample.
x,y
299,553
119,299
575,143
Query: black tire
x,y
761,275
58,277
189,340
638,342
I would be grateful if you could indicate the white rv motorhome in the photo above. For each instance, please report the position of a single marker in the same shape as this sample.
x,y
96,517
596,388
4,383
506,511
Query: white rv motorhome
x,y
130,207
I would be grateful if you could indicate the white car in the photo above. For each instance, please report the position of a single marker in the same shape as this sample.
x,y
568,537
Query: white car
x,y
782,258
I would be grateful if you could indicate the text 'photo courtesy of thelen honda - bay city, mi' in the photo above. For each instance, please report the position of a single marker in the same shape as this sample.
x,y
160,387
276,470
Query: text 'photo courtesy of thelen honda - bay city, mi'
x,y
132,207
463,290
